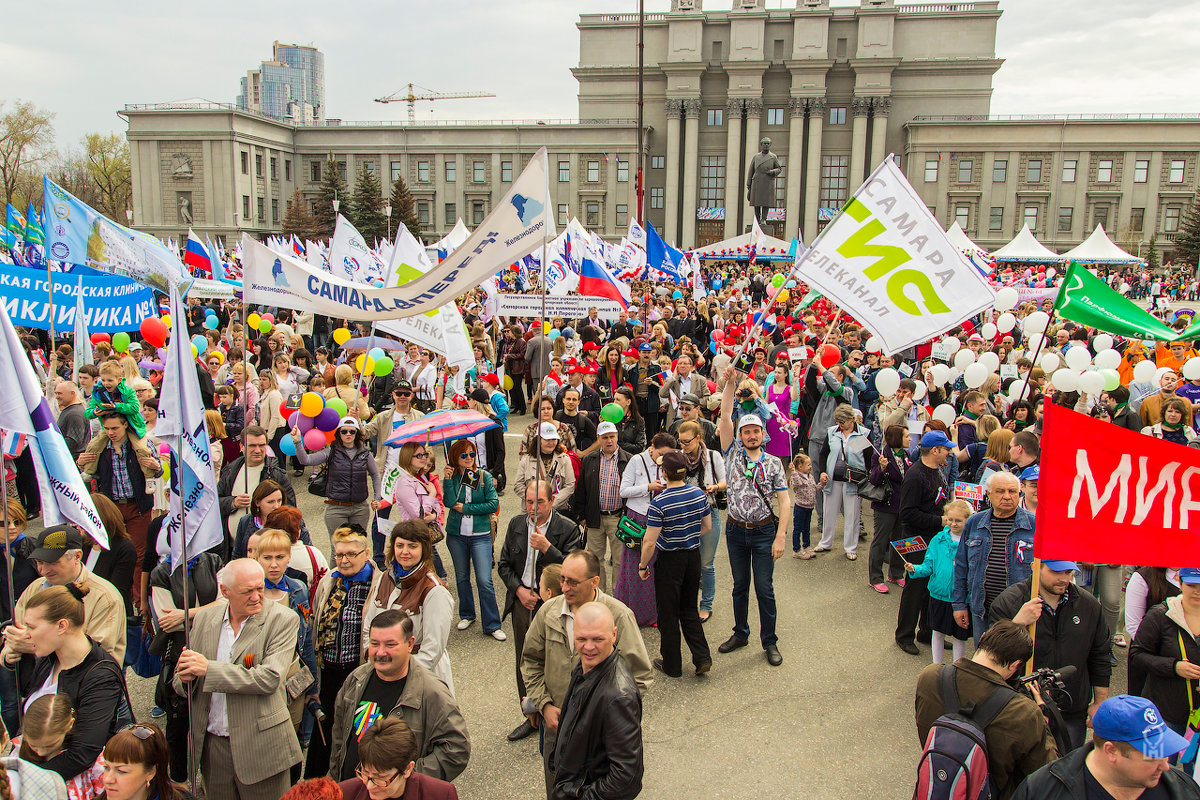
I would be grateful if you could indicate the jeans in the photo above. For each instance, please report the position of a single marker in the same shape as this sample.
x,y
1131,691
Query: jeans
x,y
750,553
1107,586
708,553
465,552
378,540
801,527
1190,769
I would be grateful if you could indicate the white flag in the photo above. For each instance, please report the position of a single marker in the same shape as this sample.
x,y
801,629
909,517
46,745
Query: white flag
x,y
195,513
83,342
885,260
698,290
637,234
351,258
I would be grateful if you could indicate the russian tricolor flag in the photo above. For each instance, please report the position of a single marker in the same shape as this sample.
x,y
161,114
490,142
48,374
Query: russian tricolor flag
x,y
196,256
596,281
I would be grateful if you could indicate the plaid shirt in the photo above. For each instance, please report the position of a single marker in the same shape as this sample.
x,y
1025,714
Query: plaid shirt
x,y
610,483
122,487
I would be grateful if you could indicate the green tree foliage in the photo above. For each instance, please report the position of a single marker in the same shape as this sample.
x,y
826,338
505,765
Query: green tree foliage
x,y
366,210
26,136
1187,241
298,219
404,209
333,187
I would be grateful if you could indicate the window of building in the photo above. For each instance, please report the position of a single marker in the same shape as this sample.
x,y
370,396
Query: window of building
x,y
261,205
1141,171
931,170
716,116
657,196
777,50
592,214
396,171
1033,171
622,171
835,181
423,171
341,168
718,49
245,163
1104,170
563,214
312,206
288,204
478,172
1031,217
712,182
451,171
369,166
1065,215
274,168
593,171
1137,219
1100,216
287,169
774,116
506,171
1171,219
964,170
274,212
837,115
246,208
622,215
423,212
476,212
996,218
451,216
564,172
314,172
258,172
999,170
962,215
1176,173
658,162
839,49
1069,167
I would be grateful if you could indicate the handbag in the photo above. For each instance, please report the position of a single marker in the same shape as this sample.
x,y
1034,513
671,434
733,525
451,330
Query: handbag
x,y
319,482
721,498
137,653
630,532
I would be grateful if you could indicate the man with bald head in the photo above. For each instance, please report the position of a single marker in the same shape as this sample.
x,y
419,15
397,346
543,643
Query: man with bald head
x,y
995,551
71,421
599,748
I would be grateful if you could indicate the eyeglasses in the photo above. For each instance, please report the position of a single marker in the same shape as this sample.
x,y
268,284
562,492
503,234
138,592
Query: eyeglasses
x,y
686,442
420,455
570,583
378,783
140,730
468,454
404,394
348,556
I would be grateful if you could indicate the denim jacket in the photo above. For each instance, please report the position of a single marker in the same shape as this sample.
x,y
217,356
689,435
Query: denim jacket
x,y
970,562
298,602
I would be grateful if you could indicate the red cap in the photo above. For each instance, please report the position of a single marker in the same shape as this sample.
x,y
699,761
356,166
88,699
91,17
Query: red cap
x,y
590,346
630,353
492,378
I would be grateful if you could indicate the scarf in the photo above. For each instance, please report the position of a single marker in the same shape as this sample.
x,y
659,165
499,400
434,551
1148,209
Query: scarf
x,y
698,461
413,586
1166,426
332,612
281,586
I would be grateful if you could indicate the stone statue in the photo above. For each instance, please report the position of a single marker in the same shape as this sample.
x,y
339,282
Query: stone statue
x,y
764,169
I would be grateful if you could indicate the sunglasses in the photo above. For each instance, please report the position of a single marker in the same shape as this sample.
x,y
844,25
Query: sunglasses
x,y
140,730
470,454
404,394
350,431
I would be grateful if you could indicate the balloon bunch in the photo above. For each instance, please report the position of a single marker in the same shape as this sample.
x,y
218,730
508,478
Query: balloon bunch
x,y
210,320
262,323
316,419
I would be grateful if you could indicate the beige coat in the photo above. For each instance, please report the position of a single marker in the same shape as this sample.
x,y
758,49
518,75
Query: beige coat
x,y
671,388
103,610
381,426
564,473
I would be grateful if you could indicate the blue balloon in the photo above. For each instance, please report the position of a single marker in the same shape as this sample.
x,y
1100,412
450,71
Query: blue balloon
x,y
790,285
568,332
200,342
553,334
376,353
211,323
677,295
287,446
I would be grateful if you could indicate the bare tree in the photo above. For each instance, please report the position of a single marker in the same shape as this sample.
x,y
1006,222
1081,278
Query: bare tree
x,y
108,167
26,136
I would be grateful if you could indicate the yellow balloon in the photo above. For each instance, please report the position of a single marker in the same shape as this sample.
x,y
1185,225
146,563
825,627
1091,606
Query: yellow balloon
x,y
546,327
341,336
166,318
364,363
508,384
311,404
253,320
783,295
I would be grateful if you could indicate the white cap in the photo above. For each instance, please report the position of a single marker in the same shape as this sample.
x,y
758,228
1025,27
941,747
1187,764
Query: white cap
x,y
348,422
605,427
548,430
749,419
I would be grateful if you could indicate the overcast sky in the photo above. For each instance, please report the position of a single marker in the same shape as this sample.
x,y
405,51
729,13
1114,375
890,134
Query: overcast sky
x,y
1061,55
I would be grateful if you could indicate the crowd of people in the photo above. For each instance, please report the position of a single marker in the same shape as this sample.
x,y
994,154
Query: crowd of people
x,y
648,438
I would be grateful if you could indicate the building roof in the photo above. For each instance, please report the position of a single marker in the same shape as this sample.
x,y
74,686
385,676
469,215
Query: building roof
x,y
1025,247
1099,249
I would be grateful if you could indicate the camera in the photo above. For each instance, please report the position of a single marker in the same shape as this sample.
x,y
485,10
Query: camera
x,y
744,394
1051,686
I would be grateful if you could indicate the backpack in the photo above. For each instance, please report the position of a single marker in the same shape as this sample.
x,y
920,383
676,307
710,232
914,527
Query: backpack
x,y
954,763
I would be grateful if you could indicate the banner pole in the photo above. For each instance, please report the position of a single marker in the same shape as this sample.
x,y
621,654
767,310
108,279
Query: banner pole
x,y
245,388
1036,354
8,566
536,413
187,625
1033,593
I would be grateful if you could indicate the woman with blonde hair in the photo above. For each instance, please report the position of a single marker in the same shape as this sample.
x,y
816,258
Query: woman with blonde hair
x,y
344,390
216,435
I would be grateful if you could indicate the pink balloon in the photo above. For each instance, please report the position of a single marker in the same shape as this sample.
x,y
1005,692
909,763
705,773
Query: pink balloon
x,y
305,424
269,317
314,440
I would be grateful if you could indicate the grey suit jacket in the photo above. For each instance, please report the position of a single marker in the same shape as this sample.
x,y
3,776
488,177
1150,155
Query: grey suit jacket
x,y
261,735
671,388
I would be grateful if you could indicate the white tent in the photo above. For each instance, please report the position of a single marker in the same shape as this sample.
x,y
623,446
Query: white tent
x,y
1099,249
1025,247
959,237
738,249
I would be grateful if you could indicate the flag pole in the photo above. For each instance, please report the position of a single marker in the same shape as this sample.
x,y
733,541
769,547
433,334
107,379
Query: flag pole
x,y
187,625
8,566
246,387
545,234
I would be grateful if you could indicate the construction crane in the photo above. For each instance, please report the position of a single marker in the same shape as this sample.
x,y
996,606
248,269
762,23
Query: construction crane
x,y
407,96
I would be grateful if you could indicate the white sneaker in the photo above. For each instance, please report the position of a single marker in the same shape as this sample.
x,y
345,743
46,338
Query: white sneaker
x,y
499,635
463,624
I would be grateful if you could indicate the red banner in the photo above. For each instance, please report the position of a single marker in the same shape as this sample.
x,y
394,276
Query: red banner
x,y
1108,495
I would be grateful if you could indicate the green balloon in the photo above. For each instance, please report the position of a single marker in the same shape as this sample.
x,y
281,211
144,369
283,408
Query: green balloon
x,y
384,366
338,405
264,326
612,413
120,341
777,281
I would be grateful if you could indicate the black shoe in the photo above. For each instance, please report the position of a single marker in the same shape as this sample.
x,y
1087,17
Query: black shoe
x,y
658,665
909,648
297,472
773,656
731,644
703,667
520,732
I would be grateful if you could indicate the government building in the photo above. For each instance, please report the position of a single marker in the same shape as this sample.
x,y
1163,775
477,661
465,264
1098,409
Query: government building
x,y
835,89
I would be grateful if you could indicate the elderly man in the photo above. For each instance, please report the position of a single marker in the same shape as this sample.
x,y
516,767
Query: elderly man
x,y
392,684
597,498
71,421
598,752
681,384
549,652
239,477
994,552
242,647
1151,408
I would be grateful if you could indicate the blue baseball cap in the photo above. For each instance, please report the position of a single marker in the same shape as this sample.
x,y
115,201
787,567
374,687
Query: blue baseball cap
x,y
1030,473
936,439
645,347
1060,566
1137,721
1189,575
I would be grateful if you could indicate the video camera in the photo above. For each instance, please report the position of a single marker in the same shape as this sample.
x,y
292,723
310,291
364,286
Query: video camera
x,y
1051,685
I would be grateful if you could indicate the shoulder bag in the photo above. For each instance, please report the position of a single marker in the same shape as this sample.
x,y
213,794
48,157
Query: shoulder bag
x,y
630,531
720,498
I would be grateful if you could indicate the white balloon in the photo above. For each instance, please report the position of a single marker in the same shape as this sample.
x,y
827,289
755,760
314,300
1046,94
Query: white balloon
x,y
1006,299
1092,383
1006,322
988,331
1050,362
975,375
964,358
990,360
1037,322
874,345
919,392
1050,273
1065,380
1077,358
1102,342
887,381
952,343
1035,344
945,414
941,374
1191,368
1107,359
1143,371
1016,389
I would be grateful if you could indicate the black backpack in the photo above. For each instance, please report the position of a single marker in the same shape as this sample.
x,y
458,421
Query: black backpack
x,y
954,763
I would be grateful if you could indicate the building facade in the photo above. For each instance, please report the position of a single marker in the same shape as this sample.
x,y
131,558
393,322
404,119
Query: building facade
x,y
291,86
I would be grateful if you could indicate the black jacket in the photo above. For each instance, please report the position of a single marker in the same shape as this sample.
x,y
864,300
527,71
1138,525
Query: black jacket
x,y
137,479
632,436
116,565
585,502
1074,634
1063,780
226,491
1127,418
493,440
599,749
564,536
923,494
1155,651
208,390
24,572
589,401
234,418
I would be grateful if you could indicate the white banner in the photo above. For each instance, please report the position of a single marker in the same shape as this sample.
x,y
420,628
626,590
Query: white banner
x,y
442,333
885,260
530,305
350,257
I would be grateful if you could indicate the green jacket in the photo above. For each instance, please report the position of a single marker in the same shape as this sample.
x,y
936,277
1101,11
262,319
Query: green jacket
x,y
484,503
128,406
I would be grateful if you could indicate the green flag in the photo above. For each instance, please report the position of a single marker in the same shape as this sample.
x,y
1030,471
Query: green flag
x,y
1087,300
810,298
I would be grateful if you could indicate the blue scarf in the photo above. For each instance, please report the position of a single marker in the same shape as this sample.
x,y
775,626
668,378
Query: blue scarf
x,y
4,545
362,576
281,586
399,572
191,564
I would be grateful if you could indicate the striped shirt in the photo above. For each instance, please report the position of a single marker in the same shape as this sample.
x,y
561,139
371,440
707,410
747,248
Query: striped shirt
x,y
610,483
122,486
995,574
679,511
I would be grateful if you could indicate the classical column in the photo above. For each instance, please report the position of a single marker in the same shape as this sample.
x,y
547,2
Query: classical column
x,y
671,201
754,110
812,189
793,173
733,167
860,107
691,171
880,106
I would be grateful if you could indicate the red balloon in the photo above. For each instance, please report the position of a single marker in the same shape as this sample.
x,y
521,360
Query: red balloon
x,y
97,338
154,331
718,336
830,355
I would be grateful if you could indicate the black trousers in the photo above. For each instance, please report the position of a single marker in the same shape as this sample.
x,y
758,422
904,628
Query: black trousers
x,y
332,678
914,611
677,588
521,617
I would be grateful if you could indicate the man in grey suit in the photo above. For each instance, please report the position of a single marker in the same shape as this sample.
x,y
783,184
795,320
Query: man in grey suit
x,y
243,648
537,353
684,381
